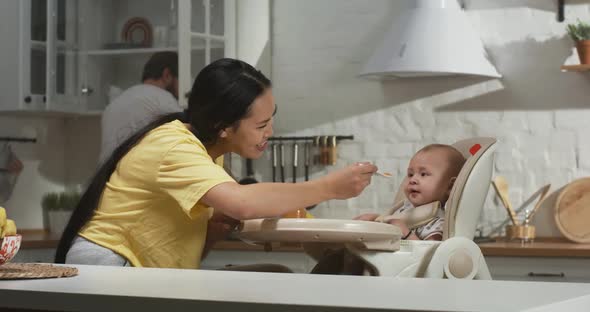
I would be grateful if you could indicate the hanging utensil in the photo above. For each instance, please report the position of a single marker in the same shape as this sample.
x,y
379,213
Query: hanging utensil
x,y
307,161
333,152
249,179
325,151
274,162
317,150
282,156
295,161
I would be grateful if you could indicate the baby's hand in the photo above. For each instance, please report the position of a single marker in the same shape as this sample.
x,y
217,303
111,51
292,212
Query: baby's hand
x,y
367,217
401,224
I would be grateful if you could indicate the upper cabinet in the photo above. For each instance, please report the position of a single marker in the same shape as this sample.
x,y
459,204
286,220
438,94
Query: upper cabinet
x,y
117,38
204,37
38,59
74,56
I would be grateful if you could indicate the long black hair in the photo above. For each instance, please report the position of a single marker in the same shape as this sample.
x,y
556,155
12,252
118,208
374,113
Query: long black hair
x,y
220,97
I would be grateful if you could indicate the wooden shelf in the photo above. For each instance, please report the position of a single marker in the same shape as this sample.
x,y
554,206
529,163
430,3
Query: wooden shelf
x,y
109,52
577,68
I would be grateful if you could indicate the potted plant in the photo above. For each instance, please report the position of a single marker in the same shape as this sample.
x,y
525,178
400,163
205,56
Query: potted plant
x,y
580,33
58,208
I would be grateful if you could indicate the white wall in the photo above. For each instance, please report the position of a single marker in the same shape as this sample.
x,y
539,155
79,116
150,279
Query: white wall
x,y
538,113
44,166
82,148
64,156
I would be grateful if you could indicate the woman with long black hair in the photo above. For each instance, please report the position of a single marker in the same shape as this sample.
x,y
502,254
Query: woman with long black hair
x,y
147,206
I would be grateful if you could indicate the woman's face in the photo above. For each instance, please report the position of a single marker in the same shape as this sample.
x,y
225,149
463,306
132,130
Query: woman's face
x,y
250,138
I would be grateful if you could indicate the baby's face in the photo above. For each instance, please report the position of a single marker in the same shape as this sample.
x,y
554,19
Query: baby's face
x,y
427,179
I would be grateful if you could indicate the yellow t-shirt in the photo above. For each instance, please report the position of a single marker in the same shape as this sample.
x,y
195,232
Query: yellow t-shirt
x,y
149,211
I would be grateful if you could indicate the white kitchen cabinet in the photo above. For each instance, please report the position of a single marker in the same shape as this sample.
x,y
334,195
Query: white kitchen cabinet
x,y
244,34
112,59
299,262
544,269
32,255
38,58
72,55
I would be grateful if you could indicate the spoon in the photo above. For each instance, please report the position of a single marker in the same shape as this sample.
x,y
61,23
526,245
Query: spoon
x,y
384,174
501,187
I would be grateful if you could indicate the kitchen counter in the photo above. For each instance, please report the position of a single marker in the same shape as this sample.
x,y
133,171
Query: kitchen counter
x,y
102,288
541,247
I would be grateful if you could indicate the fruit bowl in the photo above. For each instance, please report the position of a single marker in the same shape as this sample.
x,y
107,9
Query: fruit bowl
x,y
9,248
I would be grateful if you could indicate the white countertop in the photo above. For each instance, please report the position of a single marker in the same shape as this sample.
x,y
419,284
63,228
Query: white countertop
x,y
100,288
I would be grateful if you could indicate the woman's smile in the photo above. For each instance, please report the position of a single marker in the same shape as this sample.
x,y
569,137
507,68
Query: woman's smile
x,y
262,146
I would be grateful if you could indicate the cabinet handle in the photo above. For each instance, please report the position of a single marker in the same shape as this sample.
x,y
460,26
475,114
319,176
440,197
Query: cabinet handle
x,y
87,90
533,274
28,99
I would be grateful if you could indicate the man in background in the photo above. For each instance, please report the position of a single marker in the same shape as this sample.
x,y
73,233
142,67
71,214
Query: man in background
x,y
137,106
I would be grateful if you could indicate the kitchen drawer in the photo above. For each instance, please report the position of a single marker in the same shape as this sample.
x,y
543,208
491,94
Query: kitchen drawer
x,y
540,269
299,262
45,255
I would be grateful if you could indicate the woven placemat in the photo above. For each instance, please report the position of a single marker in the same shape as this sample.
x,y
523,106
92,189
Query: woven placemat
x,y
35,270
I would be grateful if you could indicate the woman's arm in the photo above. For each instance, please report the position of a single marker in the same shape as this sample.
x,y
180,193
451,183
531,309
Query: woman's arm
x,y
275,199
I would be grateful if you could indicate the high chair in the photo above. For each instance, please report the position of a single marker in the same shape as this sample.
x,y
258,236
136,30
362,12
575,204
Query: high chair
x,y
378,245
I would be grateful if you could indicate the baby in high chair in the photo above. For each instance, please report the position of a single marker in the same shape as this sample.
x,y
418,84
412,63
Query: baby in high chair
x,y
430,177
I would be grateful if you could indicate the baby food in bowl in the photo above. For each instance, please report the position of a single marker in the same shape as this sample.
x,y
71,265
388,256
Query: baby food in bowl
x,y
10,240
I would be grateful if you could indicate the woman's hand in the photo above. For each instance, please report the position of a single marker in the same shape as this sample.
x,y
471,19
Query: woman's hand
x,y
350,181
220,226
367,217
15,166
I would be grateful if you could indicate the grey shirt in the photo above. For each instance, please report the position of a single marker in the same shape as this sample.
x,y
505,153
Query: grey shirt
x,y
131,111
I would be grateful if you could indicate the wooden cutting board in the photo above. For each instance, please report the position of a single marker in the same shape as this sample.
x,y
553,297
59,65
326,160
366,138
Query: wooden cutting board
x,y
572,211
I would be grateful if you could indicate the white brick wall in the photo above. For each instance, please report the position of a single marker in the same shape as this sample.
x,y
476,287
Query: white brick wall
x,y
539,114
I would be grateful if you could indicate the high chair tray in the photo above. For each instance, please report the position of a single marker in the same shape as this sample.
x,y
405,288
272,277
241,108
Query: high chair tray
x,y
372,235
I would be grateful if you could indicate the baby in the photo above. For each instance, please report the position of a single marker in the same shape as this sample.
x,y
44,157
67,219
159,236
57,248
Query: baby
x,y
430,177
431,174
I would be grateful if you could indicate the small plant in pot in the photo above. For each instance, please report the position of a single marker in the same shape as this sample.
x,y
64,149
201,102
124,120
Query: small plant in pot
x,y
58,208
580,33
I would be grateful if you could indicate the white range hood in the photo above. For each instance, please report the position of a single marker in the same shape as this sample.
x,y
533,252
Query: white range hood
x,y
433,39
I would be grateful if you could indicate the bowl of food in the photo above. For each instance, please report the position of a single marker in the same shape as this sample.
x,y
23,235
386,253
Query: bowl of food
x,y
10,240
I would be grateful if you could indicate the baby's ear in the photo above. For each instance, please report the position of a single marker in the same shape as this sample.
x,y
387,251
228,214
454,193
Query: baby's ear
x,y
452,182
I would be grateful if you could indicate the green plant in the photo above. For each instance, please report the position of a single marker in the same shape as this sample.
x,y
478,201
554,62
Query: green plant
x,y
69,200
60,201
579,31
50,201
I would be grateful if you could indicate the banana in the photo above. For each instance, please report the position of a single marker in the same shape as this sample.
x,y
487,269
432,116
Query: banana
x,y
2,217
9,228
